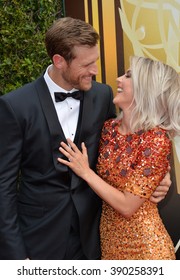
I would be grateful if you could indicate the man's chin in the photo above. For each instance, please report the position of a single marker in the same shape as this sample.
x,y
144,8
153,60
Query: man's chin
x,y
86,87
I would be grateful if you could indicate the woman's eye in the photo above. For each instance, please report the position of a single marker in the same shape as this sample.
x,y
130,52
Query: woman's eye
x,y
128,74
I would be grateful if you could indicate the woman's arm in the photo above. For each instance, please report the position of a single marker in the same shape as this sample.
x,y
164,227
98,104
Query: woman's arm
x,y
123,202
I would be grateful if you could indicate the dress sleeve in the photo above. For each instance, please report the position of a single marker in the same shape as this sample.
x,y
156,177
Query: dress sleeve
x,y
105,134
151,163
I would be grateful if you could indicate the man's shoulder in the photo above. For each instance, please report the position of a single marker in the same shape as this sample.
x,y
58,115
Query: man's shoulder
x,y
98,88
100,85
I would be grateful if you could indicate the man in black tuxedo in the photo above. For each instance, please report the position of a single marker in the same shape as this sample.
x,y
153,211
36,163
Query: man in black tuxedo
x,y
46,211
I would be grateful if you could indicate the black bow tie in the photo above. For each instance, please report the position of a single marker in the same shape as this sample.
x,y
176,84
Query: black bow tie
x,y
60,96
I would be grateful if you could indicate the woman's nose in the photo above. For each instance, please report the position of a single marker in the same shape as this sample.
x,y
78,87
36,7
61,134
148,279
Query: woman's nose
x,y
119,79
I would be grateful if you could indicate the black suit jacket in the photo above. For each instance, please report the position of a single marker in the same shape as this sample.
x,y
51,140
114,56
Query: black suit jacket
x,y
36,209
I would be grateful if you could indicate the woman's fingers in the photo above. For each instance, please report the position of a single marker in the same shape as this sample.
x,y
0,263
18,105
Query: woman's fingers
x,y
71,148
72,152
66,147
65,162
64,151
76,160
84,149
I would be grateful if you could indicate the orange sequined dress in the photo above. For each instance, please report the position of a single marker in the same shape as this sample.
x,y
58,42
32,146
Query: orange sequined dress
x,y
136,163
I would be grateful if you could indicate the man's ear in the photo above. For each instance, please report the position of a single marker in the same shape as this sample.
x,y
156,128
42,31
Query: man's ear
x,y
58,61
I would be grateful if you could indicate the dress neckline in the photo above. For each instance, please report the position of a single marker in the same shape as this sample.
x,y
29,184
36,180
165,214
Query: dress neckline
x,y
117,125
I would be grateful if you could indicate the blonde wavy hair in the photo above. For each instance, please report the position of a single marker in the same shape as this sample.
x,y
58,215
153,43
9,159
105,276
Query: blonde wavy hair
x,y
156,88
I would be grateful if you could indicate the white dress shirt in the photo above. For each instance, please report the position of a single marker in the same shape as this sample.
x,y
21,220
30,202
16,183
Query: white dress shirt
x,y
67,110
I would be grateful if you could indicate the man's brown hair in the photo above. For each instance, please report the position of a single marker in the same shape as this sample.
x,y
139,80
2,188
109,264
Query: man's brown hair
x,y
66,33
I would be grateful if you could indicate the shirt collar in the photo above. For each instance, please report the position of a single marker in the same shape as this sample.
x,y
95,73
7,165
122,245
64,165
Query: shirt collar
x,y
53,87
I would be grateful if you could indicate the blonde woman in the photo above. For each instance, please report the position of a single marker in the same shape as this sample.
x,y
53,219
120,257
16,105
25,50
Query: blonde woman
x,y
133,158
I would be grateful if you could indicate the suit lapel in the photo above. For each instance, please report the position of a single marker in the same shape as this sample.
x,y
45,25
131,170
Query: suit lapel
x,y
50,114
86,117
77,134
83,127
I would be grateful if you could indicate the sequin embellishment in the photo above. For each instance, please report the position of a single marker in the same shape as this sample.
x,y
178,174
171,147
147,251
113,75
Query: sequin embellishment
x,y
135,163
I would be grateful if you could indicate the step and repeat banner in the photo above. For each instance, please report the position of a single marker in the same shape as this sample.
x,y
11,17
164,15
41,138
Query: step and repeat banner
x,y
144,28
